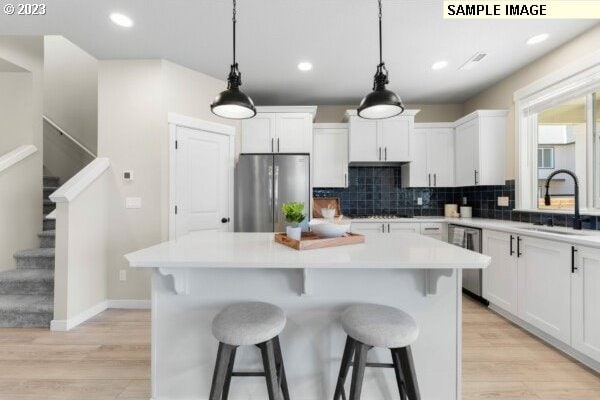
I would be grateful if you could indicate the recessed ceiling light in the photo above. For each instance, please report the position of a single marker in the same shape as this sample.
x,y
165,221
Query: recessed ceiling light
x,y
537,39
121,20
305,66
439,65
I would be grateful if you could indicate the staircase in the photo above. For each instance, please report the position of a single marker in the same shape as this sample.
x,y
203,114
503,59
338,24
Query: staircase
x,y
27,292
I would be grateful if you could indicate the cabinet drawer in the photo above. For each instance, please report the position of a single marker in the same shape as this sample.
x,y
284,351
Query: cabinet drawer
x,y
431,228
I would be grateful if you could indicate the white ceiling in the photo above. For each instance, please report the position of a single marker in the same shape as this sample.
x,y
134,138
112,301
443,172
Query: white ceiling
x,y
338,36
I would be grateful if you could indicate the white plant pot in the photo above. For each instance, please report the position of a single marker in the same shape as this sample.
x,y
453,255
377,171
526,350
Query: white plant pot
x,y
294,232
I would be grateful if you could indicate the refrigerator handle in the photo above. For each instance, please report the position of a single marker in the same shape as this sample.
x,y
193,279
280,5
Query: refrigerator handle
x,y
276,194
271,186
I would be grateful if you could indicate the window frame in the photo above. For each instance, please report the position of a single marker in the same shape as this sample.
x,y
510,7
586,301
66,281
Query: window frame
x,y
542,149
577,79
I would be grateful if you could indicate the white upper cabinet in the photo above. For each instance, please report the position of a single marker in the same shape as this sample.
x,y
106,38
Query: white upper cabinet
x,y
432,164
278,130
480,148
386,140
545,286
585,303
330,155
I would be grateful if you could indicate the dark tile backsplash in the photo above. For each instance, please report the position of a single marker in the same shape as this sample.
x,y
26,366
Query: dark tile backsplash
x,y
377,190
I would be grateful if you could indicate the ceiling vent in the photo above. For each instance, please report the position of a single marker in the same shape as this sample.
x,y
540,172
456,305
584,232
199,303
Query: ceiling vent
x,y
474,60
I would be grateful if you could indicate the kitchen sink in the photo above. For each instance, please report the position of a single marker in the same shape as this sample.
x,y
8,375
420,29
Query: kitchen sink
x,y
557,232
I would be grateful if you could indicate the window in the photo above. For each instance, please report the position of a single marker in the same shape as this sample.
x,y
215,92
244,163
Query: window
x,y
559,128
546,158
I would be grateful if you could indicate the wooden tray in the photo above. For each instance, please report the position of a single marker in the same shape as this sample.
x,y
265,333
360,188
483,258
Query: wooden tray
x,y
326,202
310,241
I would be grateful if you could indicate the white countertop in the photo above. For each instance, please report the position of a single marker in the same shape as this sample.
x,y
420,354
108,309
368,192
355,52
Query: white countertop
x,y
259,250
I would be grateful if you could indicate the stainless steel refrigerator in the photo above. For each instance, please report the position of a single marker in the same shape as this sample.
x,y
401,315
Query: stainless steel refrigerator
x,y
263,182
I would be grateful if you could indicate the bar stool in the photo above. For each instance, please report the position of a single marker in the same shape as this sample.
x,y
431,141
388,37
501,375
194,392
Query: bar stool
x,y
249,324
371,325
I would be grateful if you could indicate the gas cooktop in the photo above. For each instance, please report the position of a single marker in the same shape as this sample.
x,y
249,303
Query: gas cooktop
x,y
381,216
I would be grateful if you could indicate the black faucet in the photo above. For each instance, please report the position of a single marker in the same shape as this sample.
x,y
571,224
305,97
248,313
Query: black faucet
x,y
577,220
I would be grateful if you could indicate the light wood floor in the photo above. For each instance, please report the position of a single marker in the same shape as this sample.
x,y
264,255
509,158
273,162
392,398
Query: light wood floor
x,y
109,358
501,361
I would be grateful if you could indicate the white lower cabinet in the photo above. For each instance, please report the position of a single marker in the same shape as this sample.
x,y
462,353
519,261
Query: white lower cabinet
x,y
403,227
500,278
544,276
434,230
585,305
368,227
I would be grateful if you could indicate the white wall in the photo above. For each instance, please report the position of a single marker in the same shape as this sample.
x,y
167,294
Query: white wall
x,y
82,237
71,89
134,99
20,124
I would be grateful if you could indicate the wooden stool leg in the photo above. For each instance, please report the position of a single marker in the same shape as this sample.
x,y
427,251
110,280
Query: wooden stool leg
x,y
228,375
358,372
223,356
281,369
399,376
408,372
344,367
268,357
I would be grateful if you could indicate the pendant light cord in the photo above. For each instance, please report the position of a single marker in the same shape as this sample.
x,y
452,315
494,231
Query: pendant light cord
x,y
381,76
380,36
234,22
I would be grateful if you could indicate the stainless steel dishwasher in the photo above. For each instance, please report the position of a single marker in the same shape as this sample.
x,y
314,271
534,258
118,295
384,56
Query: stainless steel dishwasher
x,y
470,239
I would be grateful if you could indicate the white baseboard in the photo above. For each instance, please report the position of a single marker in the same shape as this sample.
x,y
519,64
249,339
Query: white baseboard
x,y
68,324
130,304
62,325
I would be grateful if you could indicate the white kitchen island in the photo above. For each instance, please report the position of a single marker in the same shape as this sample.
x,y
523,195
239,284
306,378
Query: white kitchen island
x,y
198,274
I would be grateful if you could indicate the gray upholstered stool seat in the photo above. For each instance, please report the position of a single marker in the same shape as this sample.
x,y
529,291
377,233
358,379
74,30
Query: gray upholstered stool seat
x,y
245,324
380,326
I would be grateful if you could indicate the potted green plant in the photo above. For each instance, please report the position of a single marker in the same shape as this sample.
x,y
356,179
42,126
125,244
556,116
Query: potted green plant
x,y
294,215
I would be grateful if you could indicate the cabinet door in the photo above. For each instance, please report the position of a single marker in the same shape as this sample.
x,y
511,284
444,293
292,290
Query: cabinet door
x,y
585,304
363,140
330,157
368,228
415,174
440,156
500,278
395,139
545,286
465,161
258,134
293,133
403,227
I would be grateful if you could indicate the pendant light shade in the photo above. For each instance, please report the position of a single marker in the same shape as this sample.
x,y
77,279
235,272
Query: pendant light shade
x,y
380,103
233,103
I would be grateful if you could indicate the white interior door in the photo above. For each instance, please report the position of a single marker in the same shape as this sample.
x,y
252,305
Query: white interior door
x,y
203,181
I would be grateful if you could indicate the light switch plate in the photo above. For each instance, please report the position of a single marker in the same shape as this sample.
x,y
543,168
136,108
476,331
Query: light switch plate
x,y
133,202
419,201
503,201
128,176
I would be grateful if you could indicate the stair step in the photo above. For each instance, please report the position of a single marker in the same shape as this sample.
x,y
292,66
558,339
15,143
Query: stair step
x,y
49,205
27,281
35,258
49,224
47,238
26,311
51,181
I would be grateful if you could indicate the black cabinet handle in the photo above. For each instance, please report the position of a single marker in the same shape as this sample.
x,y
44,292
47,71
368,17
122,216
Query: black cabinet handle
x,y
429,179
573,267
272,147
434,180
380,154
511,245
224,220
278,145
519,254
388,228
385,152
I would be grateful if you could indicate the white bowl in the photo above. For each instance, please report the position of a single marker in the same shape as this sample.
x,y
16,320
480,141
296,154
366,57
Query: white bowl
x,y
326,229
328,213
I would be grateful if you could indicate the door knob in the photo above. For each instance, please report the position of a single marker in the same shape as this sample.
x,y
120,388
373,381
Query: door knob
x,y
224,220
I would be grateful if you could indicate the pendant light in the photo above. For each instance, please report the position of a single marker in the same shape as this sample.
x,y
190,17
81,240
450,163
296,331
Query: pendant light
x,y
233,103
380,103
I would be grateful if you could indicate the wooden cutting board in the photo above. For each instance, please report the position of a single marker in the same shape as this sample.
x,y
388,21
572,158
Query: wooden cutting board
x,y
310,241
326,202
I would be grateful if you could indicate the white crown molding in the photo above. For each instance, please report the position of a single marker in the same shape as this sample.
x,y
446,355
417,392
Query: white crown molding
x,y
405,113
195,123
16,155
77,184
288,109
330,125
480,113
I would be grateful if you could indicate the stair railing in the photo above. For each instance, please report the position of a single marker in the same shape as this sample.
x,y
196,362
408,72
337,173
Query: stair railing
x,y
71,138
